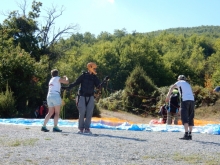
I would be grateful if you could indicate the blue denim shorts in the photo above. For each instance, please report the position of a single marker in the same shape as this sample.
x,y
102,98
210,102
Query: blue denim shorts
x,y
53,99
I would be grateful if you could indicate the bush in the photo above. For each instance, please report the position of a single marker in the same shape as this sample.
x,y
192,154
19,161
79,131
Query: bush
x,y
96,111
7,104
69,109
204,96
138,95
113,102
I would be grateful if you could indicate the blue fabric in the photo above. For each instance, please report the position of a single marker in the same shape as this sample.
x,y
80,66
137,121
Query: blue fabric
x,y
217,89
209,128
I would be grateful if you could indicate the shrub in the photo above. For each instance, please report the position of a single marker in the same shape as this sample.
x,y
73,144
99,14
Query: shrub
x,y
204,96
7,104
69,109
113,102
96,111
138,95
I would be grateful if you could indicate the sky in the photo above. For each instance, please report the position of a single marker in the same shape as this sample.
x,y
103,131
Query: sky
x,y
96,16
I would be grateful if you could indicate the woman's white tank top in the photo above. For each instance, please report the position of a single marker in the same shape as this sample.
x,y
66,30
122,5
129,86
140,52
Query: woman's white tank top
x,y
54,85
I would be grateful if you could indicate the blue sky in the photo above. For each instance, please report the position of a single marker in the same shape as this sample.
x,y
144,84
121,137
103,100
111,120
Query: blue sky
x,y
95,16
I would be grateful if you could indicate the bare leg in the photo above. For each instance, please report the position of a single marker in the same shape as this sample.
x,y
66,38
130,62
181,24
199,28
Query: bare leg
x,y
57,114
169,118
48,116
190,128
176,118
186,126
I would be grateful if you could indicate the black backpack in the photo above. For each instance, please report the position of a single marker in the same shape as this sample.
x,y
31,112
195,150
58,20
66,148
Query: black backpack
x,y
174,102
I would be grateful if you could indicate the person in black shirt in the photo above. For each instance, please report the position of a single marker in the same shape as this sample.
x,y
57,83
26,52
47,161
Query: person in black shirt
x,y
163,113
85,99
173,110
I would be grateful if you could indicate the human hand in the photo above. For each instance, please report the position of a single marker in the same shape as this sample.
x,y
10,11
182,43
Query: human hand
x,y
66,78
179,112
106,78
167,99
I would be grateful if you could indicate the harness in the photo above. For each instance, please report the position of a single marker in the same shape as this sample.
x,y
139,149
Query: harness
x,y
87,101
85,96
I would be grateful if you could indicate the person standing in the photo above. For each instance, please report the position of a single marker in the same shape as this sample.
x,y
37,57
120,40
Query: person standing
x,y
173,110
85,98
54,99
163,113
187,105
43,110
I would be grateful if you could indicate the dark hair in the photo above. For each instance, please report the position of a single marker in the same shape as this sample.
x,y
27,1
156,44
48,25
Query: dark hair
x,y
54,72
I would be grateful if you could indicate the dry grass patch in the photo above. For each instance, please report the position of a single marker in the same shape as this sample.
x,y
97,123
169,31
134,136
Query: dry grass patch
x,y
17,142
192,159
211,113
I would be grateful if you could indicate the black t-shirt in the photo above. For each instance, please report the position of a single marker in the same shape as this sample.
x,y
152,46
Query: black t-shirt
x,y
174,102
87,83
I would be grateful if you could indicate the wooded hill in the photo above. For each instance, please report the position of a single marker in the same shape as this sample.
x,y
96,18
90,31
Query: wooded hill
x,y
28,53
210,31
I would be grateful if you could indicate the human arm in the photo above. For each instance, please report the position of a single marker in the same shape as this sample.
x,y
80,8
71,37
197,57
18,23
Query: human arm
x,y
170,92
77,82
105,80
64,80
160,111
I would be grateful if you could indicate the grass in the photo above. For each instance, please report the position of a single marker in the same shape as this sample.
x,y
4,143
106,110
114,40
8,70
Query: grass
x,y
47,138
198,158
211,113
192,159
17,142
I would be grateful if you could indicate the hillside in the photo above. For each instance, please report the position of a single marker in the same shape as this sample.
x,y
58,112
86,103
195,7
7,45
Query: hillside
x,y
211,31
208,113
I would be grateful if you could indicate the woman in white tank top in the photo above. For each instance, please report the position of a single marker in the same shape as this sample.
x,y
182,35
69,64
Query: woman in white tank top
x,y
54,99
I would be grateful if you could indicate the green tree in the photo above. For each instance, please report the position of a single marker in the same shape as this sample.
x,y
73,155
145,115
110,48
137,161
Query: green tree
x,y
7,104
31,35
24,76
138,87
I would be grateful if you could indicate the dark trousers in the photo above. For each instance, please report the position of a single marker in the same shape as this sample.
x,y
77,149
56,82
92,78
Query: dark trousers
x,y
187,112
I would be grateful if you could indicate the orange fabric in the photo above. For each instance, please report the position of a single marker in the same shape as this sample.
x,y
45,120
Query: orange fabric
x,y
200,122
116,121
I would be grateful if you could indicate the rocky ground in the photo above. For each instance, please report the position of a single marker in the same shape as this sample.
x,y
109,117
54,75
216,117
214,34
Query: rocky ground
x,y
27,145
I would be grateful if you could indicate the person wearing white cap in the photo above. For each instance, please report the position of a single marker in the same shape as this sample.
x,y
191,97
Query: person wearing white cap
x,y
187,105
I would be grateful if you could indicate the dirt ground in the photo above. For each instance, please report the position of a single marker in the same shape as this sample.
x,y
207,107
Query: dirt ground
x,y
125,116
145,120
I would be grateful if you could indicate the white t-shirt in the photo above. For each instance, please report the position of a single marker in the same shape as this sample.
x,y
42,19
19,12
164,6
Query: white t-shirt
x,y
185,90
54,85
